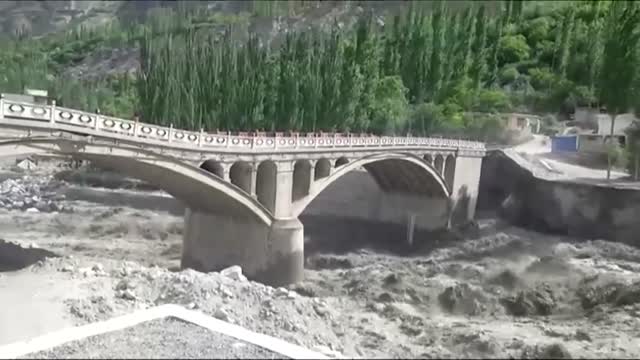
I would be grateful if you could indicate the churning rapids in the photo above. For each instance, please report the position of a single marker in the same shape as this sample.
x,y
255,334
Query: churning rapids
x,y
73,254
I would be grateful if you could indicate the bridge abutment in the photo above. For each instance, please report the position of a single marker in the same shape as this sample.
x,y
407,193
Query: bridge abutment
x,y
272,254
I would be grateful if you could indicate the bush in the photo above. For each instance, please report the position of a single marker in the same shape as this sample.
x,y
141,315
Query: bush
x,y
508,75
427,118
513,49
491,101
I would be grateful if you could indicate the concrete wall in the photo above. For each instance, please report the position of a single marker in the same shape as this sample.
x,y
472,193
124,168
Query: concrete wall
x,y
622,123
581,209
591,144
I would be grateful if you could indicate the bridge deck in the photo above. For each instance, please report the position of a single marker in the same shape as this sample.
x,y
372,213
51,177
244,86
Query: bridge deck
x,y
52,118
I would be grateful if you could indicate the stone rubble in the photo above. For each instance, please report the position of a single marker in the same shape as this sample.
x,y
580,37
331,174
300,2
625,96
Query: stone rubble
x,y
32,194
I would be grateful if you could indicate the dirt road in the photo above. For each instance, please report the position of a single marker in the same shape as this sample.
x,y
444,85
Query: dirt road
x,y
537,152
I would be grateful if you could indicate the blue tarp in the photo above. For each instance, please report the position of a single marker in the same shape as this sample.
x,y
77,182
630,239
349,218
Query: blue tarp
x,y
564,143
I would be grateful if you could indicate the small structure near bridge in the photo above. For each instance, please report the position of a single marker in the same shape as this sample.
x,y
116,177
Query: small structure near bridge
x,y
26,164
32,96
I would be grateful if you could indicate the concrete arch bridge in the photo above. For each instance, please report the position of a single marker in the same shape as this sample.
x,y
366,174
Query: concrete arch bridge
x,y
244,193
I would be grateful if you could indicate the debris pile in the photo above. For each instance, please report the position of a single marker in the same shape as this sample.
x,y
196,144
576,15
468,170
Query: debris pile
x,y
32,194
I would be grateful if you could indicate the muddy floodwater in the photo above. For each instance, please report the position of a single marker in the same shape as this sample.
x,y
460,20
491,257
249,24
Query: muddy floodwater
x,y
503,292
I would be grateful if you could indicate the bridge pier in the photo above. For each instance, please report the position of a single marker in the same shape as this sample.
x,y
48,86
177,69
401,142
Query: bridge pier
x,y
464,190
272,254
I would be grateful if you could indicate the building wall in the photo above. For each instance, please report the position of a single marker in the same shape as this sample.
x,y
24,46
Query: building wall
x,y
622,122
26,98
591,143
527,123
19,98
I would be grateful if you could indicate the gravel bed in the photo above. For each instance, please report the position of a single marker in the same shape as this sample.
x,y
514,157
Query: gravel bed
x,y
158,339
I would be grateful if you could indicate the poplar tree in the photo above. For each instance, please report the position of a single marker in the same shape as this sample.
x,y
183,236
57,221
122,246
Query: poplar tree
x,y
479,65
564,50
620,61
435,76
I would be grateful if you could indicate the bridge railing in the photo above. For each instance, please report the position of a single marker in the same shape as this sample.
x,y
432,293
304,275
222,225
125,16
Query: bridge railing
x,y
121,128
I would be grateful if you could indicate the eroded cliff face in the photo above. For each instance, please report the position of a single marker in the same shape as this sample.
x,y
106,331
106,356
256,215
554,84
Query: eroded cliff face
x,y
580,209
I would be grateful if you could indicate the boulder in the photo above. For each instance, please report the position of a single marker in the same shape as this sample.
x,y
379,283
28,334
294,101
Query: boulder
x,y
233,272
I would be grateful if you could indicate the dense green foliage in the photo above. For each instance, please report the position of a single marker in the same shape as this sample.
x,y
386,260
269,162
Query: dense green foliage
x,y
424,71
618,78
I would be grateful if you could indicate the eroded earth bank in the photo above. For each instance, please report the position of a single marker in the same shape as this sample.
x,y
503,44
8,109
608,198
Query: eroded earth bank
x,y
74,254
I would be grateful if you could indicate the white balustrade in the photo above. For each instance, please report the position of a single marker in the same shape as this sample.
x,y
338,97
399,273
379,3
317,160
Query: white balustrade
x,y
115,126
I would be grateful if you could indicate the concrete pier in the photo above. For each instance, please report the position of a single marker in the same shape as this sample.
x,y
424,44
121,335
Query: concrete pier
x,y
270,254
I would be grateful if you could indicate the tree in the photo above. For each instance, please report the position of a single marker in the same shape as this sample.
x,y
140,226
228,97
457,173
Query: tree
x,y
517,9
479,66
495,48
620,59
436,75
390,107
565,41
512,49
367,60
427,118
594,50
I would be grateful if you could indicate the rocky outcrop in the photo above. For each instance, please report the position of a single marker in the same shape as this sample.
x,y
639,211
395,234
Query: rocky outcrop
x,y
577,208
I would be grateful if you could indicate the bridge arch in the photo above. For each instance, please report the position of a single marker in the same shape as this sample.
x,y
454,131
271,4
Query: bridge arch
x,y
449,170
383,168
266,184
322,169
438,163
214,167
302,171
198,188
240,175
341,161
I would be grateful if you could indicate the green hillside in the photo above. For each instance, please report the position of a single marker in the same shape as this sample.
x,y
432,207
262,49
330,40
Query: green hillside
x,y
403,66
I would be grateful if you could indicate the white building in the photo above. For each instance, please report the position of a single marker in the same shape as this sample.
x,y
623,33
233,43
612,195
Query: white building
x,y
623,121
30,96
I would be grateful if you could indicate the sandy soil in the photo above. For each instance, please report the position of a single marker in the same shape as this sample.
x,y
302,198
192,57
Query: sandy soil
x,y
503,293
